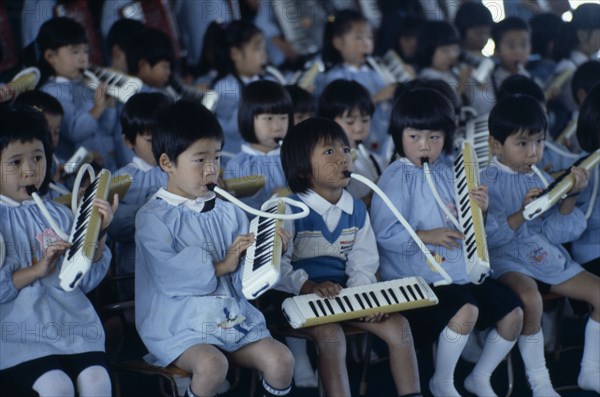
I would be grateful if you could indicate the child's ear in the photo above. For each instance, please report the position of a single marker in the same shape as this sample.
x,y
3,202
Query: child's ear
x,y
495,145
50,56
235,54
165,163
143,66
337,42
127,143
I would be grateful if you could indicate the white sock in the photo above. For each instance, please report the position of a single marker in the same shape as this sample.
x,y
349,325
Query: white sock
x,y
494,351
589,376
450,345
304,374
94,382
54,383
532,352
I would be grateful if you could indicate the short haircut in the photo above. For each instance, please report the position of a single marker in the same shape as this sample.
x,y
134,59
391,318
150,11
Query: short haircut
x,y
222,37
544,29
435,84
433,35
151,45
53,34
41,101
180,125
586,76
507,25
260,97
519,84
588,124
337,26
471,15
298,146
341,96
302,100
139,114
422,109
515,114
122,31
586,18
24,124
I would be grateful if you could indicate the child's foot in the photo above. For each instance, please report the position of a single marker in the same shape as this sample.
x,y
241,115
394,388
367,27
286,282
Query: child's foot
x,y
543,389
480,386
442,388
589,380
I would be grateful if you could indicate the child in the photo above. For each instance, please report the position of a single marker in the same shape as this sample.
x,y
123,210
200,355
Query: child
x,y
150,56
116,42
545,28
349,104
240,60
51,359
89,117
513,46
264,116
138,122
303,103
528,255
347,41
422,125
190,311
334,248
407,40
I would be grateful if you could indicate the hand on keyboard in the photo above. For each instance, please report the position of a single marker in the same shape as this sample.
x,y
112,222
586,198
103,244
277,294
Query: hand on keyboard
x,y
106,211
325,289
231,261
285,238
443,236
46,265
375,318
480,195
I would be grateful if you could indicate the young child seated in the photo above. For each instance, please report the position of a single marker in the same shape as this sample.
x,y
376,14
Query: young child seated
x,y
334,248
513,46
528,256
190,310
150,56
303,103
116,42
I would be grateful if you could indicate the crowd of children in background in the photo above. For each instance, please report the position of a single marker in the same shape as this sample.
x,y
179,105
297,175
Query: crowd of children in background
x,y
299,114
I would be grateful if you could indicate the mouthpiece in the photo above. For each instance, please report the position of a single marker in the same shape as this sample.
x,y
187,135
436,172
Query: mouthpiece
x,y
31,189
278,141
347,173
424,160
211,186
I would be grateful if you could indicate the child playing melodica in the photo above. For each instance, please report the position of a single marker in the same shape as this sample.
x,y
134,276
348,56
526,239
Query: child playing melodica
x,y
349,104
528,255
422,127
36,356
264,116
513,47
89,117
334,248
190,310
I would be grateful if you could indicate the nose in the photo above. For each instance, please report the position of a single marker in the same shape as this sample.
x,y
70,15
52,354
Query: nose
x,y
210,168
425,145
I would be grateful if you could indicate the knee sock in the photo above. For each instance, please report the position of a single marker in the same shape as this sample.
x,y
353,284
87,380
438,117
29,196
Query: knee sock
x,y
304,374
266,390
589,376
450,345
494,351
94,382
532,352
53,384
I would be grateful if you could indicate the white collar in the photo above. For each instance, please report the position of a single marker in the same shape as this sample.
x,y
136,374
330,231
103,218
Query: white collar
x,y
62,79
579,57
248,80
505,168
355,69
321,206
246,148
175,199
5,200
141,164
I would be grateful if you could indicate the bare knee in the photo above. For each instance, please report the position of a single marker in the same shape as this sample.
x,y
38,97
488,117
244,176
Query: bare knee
x,y
532,307
280,367
211,368
511,325
330,339
397,331
464,319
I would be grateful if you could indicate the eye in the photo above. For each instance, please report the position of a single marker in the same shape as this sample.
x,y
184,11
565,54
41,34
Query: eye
x,y
436,138
328,151
346,149
15,163
37,158
200,160
413,137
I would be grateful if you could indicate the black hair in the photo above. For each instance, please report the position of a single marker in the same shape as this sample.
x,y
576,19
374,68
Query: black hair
x,y
298,145
259,97
139,114
150,45
433,35
588,124
56,33
515,114
507,25
24,124
302,100
586,76
180,125
435,84
422,109
544,31
586,17
337,26
341,96
235,34
40,100
406,26
519,84
471,15
122,31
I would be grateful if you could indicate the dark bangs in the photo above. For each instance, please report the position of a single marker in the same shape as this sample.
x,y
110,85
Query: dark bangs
x,y
516,114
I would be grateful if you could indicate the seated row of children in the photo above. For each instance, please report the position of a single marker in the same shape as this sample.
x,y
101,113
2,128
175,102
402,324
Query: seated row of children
x,y
189,244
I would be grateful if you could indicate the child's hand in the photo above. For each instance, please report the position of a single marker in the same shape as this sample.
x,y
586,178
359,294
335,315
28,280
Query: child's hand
x,y
443,236
239,246
531,195
99,101
106,210
480,196
375,318
7,92
46,265
385,93
285,238
581,176
325,289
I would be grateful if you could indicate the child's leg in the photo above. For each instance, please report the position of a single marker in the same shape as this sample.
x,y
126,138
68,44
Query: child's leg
x,y
586,287
94,381
272,359
395,331
304,374
208,366
531,341
54,383
451,342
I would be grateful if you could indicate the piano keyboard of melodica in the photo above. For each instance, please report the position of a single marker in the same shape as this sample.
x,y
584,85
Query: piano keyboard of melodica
x,y
261,264
356,302
84,234
477,134
465,218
